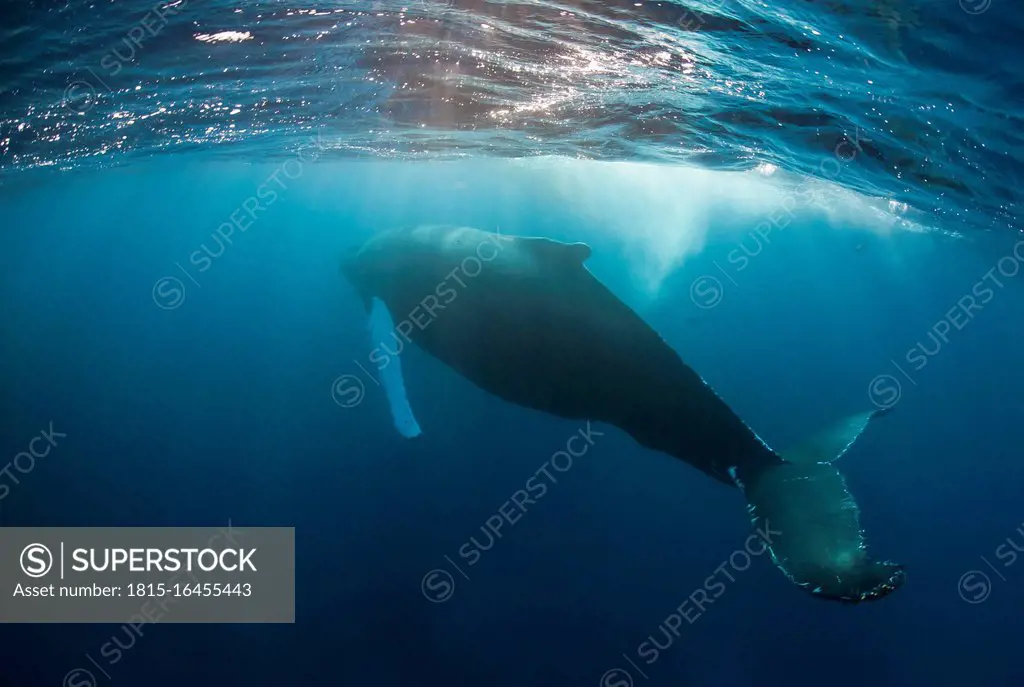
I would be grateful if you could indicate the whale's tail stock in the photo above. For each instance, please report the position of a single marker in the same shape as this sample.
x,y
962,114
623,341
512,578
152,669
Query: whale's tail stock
x,y
816,536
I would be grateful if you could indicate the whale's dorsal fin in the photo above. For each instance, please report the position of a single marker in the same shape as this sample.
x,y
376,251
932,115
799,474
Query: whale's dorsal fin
x,y
556,251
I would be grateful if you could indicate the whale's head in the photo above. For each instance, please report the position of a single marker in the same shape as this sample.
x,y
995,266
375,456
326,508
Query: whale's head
x,y
372,267
358,271
408,258
349,264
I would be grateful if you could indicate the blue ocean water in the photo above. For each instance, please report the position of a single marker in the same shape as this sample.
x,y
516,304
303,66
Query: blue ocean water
x,y
814,203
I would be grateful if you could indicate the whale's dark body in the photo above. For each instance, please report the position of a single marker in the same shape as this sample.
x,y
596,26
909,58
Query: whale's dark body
x,y
524,319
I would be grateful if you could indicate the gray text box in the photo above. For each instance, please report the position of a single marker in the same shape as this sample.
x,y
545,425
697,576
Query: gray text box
x,y
147,574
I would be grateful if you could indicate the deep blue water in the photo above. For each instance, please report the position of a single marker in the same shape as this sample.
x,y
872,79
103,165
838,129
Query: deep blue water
x,y
199,392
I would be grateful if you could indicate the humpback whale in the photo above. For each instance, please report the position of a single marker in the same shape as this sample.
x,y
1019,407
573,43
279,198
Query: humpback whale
x,y
525,320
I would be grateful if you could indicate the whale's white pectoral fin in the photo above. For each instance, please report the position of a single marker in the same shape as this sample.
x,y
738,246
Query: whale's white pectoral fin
x,y
390,372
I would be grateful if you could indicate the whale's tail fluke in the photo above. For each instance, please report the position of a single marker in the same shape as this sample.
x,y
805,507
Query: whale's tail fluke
x,y
817,539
